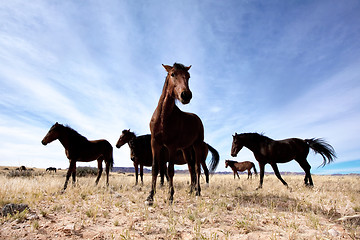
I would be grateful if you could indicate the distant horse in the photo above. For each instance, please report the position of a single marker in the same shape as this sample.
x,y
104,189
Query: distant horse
x,y
140,147
22,168
267,150
79,149
241,166
51,169
175,130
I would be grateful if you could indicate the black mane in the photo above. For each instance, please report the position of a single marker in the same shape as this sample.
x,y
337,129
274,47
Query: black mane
x,y
74,134
179,66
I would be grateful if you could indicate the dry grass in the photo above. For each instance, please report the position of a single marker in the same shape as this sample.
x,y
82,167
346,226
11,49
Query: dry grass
x,y
227,209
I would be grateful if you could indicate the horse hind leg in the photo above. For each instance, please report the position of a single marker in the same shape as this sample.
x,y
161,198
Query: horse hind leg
x,y
100,169
306,166
249,174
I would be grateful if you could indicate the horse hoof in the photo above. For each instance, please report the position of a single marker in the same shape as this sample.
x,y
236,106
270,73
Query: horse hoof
x,y
149,203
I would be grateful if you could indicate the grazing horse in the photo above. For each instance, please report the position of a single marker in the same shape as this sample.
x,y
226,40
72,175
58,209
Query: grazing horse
x,y
140,147
79,149
241,166
175,130
267,150
51,169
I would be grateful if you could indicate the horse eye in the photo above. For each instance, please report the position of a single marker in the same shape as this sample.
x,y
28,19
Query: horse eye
x,y
173,74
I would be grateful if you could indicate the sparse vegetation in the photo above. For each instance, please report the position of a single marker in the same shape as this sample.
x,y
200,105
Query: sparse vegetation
x,y
227,209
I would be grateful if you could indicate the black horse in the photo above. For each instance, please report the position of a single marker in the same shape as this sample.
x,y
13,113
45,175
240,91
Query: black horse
x,y
267,150
51,169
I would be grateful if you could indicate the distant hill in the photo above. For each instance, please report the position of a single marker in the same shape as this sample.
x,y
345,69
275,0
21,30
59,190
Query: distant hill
x,y
147,170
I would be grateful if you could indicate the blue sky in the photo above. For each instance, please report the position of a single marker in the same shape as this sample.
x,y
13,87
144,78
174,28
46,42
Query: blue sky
x,y
284,68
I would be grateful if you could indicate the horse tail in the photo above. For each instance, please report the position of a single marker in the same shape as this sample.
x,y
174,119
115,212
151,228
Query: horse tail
x,y
323,148
110,156
253,165
215,158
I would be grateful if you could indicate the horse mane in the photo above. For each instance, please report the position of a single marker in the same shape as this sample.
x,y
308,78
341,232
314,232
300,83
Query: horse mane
x,y
256,136
179,66
74,134
231,162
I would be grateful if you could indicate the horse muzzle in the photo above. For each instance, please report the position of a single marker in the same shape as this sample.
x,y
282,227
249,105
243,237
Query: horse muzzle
x,y
43,142
185,97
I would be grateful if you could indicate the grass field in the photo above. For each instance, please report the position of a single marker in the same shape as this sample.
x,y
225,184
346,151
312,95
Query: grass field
x,y
227,209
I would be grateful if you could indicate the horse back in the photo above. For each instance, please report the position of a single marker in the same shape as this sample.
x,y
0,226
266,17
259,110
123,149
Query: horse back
x,y
141,150
90,150
287,149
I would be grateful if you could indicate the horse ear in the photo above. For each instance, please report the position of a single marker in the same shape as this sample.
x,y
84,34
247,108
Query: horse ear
x,y
167,67
188,68
56,123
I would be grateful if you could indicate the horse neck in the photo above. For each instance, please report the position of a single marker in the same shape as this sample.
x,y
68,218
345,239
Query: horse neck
x,y
252,143
165,106
131,141
64,140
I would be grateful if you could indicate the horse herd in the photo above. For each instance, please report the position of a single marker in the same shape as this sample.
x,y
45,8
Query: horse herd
x,y
177,137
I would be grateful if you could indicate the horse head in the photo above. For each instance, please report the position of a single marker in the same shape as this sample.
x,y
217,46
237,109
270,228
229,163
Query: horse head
x,y
226,163
237,145
125,137
52,135
178,82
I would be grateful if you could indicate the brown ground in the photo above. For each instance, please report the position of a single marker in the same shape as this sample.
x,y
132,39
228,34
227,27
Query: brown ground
x,y
227,209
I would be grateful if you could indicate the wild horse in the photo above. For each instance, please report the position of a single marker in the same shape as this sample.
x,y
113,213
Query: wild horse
x,y
79,149
140,152
267,150
173,130
140,147
241,166
51,169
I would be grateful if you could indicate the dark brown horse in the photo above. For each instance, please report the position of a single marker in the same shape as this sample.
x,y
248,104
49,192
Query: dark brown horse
x,y
140,152
140,147
267,150
241,166
175,130
79,149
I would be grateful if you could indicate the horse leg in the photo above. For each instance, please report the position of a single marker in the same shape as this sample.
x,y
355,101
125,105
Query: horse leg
x,y
156,152
100,169
171,183
72,166
277,173
136,171
198,159
249,174
163,172
141,173
237,174
107,169
262,172
206,171
306,166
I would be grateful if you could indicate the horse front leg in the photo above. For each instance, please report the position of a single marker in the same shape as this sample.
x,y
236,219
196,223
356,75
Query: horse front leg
x,y
262,172
136,171
72,167
156,151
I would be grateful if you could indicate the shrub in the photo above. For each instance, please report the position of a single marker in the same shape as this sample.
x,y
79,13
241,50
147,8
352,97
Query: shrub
x,y
86,171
